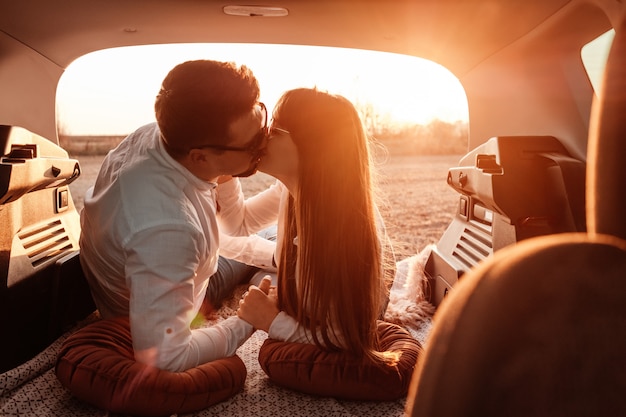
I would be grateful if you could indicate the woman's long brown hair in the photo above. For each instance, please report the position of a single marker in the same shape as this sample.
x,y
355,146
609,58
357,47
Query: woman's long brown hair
x,y
337,256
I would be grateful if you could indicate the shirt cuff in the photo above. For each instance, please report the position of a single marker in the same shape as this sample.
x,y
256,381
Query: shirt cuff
x,y
250,250
285,328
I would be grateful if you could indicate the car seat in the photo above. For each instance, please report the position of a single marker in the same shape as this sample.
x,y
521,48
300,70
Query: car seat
x,y
540,327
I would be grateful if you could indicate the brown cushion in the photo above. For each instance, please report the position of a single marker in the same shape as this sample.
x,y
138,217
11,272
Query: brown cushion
x,y
309,369
97,365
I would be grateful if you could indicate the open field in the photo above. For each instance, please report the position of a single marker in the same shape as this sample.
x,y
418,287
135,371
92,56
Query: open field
x,y
417,206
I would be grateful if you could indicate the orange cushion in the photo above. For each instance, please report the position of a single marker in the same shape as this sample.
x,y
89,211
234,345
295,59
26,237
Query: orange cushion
x,y
309,369
97,365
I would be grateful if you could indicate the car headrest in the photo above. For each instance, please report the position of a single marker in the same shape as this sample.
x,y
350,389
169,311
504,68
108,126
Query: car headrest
x,y
606,162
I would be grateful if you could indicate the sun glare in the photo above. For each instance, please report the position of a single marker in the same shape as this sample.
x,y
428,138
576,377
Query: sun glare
x,y
112,91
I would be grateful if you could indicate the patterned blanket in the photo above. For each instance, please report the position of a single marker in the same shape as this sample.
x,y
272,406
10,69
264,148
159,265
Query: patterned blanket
x,y
32,388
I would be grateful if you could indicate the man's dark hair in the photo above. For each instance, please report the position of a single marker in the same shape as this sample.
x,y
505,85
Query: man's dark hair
x,y
200,99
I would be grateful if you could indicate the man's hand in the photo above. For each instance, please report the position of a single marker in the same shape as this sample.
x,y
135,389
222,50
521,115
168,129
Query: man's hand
x,y
259,305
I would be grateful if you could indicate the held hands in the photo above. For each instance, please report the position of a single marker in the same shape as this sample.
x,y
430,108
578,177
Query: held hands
x,y
259,305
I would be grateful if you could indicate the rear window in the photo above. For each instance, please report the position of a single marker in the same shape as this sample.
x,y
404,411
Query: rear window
x,y
111,92
594,56
417,109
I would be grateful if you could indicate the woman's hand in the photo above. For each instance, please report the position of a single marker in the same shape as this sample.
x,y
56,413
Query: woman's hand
x,y
259,305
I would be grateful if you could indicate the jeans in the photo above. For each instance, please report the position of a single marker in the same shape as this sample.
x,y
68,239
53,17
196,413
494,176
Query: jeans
x,y
232,273
229,275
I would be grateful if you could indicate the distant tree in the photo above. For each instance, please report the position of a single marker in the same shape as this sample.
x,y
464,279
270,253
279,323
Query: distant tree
x,y
437,137
369,115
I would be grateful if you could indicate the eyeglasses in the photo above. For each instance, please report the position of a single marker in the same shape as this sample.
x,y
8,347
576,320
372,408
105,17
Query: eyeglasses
x,y
255,143
279,130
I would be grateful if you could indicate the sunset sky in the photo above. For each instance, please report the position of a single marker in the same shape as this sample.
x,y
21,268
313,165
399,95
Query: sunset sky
x,y
113,91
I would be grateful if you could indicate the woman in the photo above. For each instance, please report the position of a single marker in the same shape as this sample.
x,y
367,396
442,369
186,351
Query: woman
x,y
334,266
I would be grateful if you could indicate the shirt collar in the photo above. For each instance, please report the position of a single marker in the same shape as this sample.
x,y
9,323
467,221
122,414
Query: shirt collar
x,y
167,159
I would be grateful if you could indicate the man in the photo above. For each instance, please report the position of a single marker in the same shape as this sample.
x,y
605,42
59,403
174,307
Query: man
x,y
149,242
